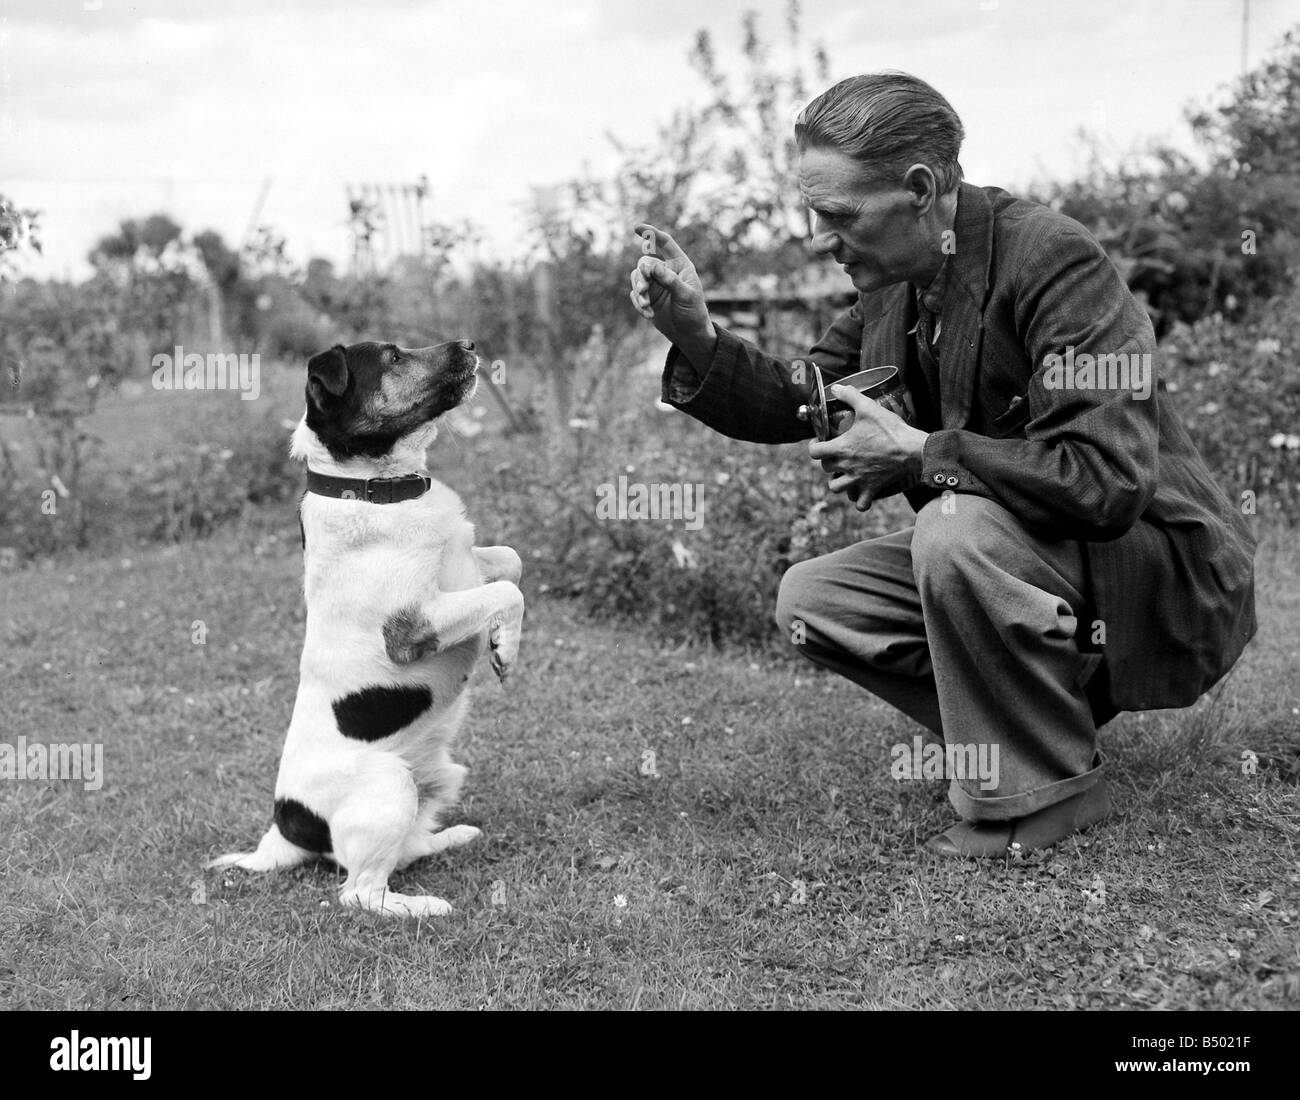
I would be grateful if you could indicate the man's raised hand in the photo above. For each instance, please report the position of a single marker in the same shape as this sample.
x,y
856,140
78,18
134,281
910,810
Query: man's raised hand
x,y
666,291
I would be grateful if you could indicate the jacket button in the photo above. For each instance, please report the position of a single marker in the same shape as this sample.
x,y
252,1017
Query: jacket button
x,y
952,480
938,479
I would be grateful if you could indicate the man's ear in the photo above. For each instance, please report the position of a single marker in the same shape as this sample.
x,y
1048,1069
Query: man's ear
x,y
329,369
919,180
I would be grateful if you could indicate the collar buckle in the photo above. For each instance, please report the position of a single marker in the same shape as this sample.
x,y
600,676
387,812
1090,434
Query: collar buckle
x,y
371,490
384,490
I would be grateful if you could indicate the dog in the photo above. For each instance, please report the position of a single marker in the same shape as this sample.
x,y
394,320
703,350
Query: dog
x,y
400,606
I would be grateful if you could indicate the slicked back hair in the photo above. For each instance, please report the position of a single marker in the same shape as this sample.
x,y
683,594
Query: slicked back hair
x,y
887,122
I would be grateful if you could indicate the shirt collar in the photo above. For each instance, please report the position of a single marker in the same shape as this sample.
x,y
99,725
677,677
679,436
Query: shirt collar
x,y
932,296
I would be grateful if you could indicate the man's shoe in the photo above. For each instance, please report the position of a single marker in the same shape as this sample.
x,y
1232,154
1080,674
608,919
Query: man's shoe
x,y
1042,829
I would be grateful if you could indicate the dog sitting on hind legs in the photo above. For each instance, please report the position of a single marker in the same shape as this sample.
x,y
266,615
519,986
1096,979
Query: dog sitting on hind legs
x,y
400,606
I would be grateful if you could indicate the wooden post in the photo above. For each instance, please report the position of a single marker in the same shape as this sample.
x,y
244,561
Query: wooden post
x,y
544,292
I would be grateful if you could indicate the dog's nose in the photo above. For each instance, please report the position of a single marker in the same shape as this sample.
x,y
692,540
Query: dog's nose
x,y
468,345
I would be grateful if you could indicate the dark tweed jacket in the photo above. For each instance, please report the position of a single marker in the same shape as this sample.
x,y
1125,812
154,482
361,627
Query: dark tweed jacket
x,y
1169,556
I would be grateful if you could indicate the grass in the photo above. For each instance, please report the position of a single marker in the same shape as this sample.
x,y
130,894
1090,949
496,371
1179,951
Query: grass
x,y
772,863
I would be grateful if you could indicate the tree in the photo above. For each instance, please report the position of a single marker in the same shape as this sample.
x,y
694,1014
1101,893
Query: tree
x,y
1195,240
136,239
1253,139
724,174
19,230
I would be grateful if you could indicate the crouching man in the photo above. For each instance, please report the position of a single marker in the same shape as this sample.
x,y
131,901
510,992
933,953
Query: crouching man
x,y
1072,557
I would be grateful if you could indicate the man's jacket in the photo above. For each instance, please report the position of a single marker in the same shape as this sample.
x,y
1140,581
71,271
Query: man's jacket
x,y
1169,556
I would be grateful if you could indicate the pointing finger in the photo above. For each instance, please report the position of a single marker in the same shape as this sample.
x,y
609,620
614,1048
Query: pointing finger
x,y
664,244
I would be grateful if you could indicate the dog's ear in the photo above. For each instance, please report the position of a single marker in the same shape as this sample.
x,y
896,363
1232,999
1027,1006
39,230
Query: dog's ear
x,y
329,369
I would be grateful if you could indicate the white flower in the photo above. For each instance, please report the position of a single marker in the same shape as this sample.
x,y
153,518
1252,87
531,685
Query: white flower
x,y
620,901
1268,346
1277,439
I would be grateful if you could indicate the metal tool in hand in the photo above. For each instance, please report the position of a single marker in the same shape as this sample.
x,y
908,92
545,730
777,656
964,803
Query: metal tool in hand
x,y
830,417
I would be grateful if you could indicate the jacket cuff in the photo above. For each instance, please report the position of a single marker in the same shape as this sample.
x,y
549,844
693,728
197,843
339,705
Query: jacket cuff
x,y
941,468
683,380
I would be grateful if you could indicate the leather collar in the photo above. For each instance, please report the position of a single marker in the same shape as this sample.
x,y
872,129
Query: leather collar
x,y
373,490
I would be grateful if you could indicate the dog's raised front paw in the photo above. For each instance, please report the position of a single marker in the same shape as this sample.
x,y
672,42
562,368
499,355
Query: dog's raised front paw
x,y
499,563
504,643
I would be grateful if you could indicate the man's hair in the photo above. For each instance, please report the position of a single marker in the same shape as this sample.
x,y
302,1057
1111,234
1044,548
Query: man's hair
x,y
887,122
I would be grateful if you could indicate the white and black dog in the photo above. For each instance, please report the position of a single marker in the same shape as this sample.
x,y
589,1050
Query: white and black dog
x,y
400,606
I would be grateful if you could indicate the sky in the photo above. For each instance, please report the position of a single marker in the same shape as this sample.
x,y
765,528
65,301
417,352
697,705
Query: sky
x,y
224,113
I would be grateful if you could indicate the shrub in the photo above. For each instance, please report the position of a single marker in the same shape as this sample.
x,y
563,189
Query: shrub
x,y
1238,391
183,489
763,508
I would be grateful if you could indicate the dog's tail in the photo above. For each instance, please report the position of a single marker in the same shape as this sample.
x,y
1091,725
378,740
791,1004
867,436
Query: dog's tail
x,y
272,853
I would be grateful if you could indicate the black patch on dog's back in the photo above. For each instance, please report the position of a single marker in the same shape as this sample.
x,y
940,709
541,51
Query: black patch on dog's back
x,y
299,825
376,712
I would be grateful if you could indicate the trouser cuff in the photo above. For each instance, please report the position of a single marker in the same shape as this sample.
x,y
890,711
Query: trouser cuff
x,y
1009,806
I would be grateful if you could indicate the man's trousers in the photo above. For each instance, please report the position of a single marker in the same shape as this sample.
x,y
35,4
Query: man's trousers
x,y
977,629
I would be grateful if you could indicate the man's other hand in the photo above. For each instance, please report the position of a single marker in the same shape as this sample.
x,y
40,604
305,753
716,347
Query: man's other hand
x,y
880,453
666,291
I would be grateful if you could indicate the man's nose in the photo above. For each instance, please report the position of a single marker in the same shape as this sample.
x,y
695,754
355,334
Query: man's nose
x,y
824,243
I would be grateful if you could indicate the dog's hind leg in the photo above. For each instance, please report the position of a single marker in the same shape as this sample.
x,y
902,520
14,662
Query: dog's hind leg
x,y
426,838
429,843
369,831
273,853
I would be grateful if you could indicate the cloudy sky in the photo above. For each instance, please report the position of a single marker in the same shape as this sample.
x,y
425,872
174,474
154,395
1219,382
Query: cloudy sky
x,y
112,109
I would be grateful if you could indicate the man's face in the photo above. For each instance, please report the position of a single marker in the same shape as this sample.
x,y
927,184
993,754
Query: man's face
x,y
873,230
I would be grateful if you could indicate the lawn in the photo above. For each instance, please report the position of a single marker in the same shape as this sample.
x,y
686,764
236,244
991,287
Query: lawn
x,y
762,857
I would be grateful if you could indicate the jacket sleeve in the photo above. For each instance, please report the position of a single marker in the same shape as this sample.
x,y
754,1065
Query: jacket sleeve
x,y
747,394
1087,465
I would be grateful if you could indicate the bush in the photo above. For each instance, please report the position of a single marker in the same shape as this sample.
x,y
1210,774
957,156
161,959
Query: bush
x,y
184,489
1237,389
242,462
763,508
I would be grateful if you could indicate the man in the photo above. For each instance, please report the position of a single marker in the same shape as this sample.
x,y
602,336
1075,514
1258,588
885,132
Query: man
x,y
1072,556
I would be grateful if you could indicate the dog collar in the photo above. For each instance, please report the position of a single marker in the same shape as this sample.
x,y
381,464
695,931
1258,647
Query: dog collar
x,y
373,490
